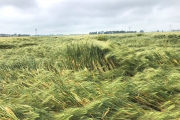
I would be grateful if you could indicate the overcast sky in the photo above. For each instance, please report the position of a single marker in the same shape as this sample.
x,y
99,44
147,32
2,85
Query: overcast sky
x,y
84,16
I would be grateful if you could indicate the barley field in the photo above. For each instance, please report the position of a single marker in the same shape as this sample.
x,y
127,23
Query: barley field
x,y
90,77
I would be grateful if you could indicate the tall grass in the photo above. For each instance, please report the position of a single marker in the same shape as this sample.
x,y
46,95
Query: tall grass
x,y
89,55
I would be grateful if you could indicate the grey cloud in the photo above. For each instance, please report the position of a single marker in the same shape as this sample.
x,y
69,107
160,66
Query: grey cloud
x,y
21,4
102,12
102,9
80,15
89,15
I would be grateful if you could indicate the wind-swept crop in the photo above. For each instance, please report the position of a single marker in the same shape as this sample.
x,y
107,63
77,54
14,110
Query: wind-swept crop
x,y
114,77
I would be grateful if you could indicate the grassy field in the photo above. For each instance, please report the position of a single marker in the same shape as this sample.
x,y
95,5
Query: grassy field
x,y
90,77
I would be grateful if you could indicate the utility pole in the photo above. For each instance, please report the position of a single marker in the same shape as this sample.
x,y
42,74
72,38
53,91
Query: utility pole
x,y
170,27
35,32
129,29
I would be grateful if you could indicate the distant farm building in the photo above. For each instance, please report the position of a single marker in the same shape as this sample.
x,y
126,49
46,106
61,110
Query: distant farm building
x,y
112,32
93,33
13,35
101,32
5,35
175,30
21,35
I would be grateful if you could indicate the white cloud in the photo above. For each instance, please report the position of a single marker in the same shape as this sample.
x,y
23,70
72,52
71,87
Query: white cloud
x,y
48,3
11,14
